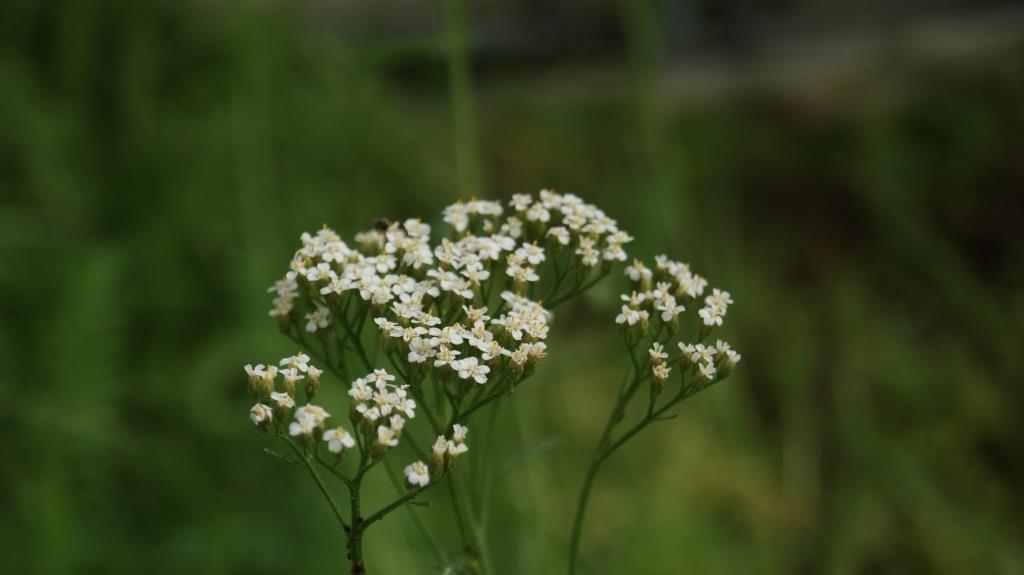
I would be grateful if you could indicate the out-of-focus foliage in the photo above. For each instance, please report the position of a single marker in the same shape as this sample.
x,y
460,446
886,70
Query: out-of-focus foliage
x,y
159,159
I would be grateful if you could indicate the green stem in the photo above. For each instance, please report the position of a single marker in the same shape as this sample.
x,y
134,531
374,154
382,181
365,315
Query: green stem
x,y
606,448
425,533
319,482
595,463
577,290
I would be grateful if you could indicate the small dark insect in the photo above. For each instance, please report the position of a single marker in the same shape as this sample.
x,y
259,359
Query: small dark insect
x,y
382,224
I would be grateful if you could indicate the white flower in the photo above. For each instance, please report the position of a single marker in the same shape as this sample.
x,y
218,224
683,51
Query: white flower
x,y
261,414
712,315
475,273
291,377
283,400
669,309
386,326
360,391
521,354
440,448
255,373
614,253
537,213
427,319
457,449
314,373
661,371
634,299
420,350
299,361
417,475
404,405
657,352
520,202
702,354
707,371
475,314
471,368
560,234
397,423
491,350
686,351
531,253
692,285
307,418
521,274
459,433
723,350
638,272
718,298
386,436
380,377
628,315
446,356
318,319
370,414
589,256
338,439
447,336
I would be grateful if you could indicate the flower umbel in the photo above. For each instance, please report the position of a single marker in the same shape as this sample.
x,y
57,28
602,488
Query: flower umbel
x,y
443,328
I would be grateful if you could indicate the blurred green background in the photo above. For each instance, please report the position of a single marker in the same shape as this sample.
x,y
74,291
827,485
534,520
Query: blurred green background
x,y
850,171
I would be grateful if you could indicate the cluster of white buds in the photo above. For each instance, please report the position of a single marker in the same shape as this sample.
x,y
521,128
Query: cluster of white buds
x,y
715,306
309,420
712,361
417,476
274,386
654,308
286,290
446,451
377,401
673,286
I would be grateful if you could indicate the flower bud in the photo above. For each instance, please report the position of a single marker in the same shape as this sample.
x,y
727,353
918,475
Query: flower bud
x,y
659,376
437,455
283,404
261,416
312,382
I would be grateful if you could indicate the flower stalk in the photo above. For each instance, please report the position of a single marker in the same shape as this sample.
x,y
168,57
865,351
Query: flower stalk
x,y
651,316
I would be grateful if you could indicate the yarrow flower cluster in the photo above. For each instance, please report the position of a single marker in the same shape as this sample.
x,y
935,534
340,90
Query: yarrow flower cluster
x,y
441,326
662,294
275,391
651,319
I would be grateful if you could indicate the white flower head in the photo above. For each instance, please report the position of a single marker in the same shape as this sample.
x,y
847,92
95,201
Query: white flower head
x,y
440,447
471,368
661,371
299,361
657,353
283,400
318,319
308,418
338,440
706,371
386,436
261,414
417,475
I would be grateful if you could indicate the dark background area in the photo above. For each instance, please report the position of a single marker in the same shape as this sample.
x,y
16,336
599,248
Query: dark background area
x,y
849,170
